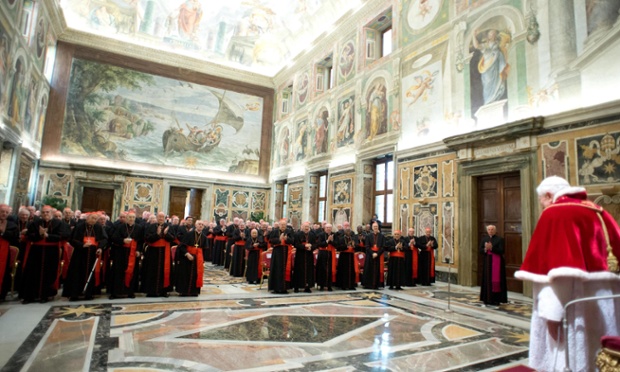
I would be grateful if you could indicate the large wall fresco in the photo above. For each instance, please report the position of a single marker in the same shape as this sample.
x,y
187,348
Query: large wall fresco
x,y
258,35
139,117
25,36
458,67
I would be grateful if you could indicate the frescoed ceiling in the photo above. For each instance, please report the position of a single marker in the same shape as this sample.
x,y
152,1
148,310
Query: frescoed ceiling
x,y
258,36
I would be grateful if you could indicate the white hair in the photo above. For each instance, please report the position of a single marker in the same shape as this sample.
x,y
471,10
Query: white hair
x,y
557,186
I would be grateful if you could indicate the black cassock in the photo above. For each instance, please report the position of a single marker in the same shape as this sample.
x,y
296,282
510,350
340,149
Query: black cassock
x,y
237,264
83,260
279,275
230,242
124,270
325,270
157,269
373,267
189,272
488,294
254,269
41,260
219,245
426,259
396,264
303,266
346,274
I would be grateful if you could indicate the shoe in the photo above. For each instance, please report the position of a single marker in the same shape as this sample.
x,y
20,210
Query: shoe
x,y
329,289
112,297
74,298
391,287
131,295
399,288
296,290
321,288
43,300
307,290
88,298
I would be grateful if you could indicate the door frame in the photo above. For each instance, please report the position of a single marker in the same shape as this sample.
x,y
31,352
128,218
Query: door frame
x,y
468,173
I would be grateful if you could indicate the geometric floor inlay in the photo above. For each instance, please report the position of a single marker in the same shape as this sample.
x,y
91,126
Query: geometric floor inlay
x,y
286,328
239,327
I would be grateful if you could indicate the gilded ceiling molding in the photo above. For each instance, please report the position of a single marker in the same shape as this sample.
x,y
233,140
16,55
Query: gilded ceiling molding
x,y
163,57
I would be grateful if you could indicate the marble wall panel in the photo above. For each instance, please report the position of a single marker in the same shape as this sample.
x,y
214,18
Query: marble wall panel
x,y
555,159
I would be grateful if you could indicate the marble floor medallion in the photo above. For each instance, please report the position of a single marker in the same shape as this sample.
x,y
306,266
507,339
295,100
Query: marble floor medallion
x,y
253,330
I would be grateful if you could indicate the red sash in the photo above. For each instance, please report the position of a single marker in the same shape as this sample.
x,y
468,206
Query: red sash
x,y
289,263
432,262
414,262
197,253
356,263
161,243
334,259
131,263
381,263
5,253
399,254
93,242
220,238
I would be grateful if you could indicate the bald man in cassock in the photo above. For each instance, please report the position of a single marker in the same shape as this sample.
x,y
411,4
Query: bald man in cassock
x,y
326,263
303,269
347,272
281,239
88,240
255,245
373,277
157,278
396,265
427,244
190,264
126,251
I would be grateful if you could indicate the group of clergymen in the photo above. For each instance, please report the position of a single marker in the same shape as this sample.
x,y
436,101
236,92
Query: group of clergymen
x,y
151,254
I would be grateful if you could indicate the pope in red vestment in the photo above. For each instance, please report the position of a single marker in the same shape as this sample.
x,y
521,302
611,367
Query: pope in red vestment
x,y
567,259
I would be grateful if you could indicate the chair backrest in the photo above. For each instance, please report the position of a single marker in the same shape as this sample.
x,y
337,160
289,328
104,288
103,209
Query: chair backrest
x,y
316,257
266,260
173,252
361,258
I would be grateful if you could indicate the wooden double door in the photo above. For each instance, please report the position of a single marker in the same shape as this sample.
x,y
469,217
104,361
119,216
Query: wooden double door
x,y
499,204
96,199
185,202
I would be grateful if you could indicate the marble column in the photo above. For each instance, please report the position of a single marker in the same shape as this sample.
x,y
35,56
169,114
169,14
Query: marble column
x,y
147,24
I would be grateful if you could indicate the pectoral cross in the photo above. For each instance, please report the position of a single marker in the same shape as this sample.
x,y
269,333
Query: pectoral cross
x,y
196,245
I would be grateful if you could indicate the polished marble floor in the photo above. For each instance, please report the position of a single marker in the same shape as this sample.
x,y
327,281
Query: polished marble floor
x,y
235,326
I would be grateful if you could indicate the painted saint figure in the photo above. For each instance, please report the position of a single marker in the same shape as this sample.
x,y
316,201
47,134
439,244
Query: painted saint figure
x,y
492,66
190,14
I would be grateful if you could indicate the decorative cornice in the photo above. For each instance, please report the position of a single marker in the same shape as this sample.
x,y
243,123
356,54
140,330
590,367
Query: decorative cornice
x,y
502,133
162,57
56,17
